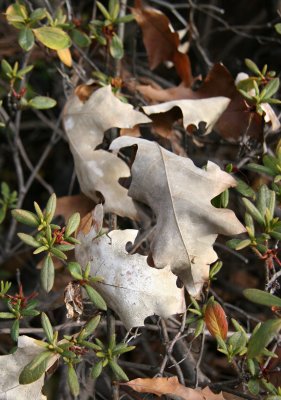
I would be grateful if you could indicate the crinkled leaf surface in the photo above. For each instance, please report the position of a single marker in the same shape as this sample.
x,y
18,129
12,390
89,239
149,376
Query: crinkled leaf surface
x,y
98,170
171,386
180,195
10,368
194,111
130,287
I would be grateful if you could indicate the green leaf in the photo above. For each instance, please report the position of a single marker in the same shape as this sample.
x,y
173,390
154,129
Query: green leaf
x,y
80,38
25,71
243,244
118,371
28,239
30,313
38,14
263,199
35,369
26,39
96,370
260,169
262,337
113,8
238,341
51,207
270,89
89,328
7,69
7,315
116,47
95,298
75,270
255,213
252,66
278,28
48,329
262,297
272,163
42,102
254,386
275,235
72,224
103,10
233,243
47,274
15,330
245,189
73,380
26,217
52,37
126,18
58,253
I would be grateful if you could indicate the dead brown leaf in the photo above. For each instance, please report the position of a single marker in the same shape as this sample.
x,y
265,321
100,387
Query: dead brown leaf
x,y
160,41
68,205
171,387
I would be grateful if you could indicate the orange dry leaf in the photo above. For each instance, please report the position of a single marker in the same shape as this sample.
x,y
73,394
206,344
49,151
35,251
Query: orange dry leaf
x,y
160,41
65,57
215,320
171,386
68,205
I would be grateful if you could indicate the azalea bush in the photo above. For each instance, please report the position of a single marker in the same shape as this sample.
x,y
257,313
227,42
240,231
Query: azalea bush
x,y
139,201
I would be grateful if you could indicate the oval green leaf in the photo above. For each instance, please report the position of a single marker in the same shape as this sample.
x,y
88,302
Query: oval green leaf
x,y
52,37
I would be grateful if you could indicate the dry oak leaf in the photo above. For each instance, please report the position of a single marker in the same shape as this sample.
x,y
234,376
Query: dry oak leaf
x,y
179,193
98,170
238,121
130,287
171,387
161,42
11,366
194,111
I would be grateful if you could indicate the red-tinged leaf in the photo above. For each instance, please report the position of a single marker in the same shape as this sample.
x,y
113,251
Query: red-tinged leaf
x,y
215,319
161,42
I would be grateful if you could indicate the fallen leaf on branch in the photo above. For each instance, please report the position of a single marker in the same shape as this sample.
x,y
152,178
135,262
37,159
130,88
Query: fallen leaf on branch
x,y
180,195
171,387
207,110
161,42
97,170
130,287
238,121
11,366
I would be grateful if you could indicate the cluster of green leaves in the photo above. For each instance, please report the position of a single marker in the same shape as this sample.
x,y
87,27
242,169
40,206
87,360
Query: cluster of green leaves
x,y
85,279
19,306
30,27
48,238
261,212
263,84
105,31
71,350
8,200
14,75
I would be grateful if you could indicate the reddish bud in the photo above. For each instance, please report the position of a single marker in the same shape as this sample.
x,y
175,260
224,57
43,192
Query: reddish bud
x,y
215,319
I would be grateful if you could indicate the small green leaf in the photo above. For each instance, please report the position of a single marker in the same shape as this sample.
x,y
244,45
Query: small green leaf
x,y
72,224
36,368
52,37
75,270
252,66
275,235
51,207
126,18
262,337
7,69
245,189
25,71
26,39
199,328
26,217
38,14
103,10
7,315
80,38
116,47
95,298
48,329
278,28
255,213
15,330
270,89
58,253
262,297
28,239
89,328
254,386
42,102
243,244
47,274
118,371
262,199
73,380
260,169
96,370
